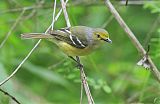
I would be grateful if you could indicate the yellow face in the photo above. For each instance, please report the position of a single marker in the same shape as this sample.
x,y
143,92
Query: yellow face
x,y
101,34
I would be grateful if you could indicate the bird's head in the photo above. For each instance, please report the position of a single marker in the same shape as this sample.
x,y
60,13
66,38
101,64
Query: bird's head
x,y
101,34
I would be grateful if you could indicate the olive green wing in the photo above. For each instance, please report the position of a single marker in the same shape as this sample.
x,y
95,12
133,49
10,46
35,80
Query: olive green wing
x,y
70,37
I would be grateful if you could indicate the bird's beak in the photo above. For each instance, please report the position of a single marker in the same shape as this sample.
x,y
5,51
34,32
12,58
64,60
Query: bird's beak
x,y
108,40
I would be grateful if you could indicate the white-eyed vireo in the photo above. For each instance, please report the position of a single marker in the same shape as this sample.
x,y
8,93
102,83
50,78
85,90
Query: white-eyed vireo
x,y
74,41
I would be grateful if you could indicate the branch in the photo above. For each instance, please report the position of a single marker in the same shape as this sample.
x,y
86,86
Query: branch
x,y
18,67
54,11
107,22
85,83
81,96
65,13
134,2
150,33
12,97
34,10
83,76
12,28
126,2
134,40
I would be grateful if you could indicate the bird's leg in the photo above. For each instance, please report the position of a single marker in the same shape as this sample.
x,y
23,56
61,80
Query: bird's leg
x,y
73,59
77,61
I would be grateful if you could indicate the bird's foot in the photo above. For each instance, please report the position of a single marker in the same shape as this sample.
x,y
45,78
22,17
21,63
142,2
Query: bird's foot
x,y
79,65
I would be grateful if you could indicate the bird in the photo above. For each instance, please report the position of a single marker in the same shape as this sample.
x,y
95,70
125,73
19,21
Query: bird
x,y
75,40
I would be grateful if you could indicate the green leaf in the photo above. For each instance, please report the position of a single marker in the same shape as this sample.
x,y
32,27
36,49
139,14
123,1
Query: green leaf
x,y
46,74
107,89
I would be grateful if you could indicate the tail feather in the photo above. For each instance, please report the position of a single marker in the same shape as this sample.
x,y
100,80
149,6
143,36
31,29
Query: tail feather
x,y
35,36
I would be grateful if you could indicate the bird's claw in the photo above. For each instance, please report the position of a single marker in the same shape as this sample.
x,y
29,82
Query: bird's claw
x,y
79,65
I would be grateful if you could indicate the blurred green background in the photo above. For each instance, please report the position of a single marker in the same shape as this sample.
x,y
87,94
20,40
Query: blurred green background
x,y
50,77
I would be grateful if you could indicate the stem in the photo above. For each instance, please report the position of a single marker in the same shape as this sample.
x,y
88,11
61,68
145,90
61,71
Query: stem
x,y
85,83
65,13
35,46
134,40
83,76
53,17
12,28
12,97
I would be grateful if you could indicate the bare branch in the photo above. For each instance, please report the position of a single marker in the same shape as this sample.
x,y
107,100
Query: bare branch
x,y
86,87
54,11
18,67
81,96
65,13
12,97
136,2
134,40
107,22
85,83
12,28
149,34
126,2
17,9
125,27
83,76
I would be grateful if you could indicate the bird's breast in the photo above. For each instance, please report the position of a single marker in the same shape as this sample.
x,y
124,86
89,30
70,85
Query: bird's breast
x,y
73,51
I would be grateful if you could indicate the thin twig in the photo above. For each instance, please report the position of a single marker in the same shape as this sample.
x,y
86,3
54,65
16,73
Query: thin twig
x,y
34,11
86,87
134,40
15,71
12,97
54,11
12,28
149,34
107,22
81,96
85,83
76,3
83,76
56,64
65,13
17,9
139,2
126,2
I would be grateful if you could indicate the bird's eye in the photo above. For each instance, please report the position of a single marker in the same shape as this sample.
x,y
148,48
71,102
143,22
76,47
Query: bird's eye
x,y
98,36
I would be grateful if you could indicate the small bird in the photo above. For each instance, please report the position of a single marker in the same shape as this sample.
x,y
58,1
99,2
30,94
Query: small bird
x,y
74,41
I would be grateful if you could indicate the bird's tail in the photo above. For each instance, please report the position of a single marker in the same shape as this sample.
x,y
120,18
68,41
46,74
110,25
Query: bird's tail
x,y
35,36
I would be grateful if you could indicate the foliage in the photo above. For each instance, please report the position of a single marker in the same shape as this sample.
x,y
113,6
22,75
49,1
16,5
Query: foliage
x,y
154,6
50,77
